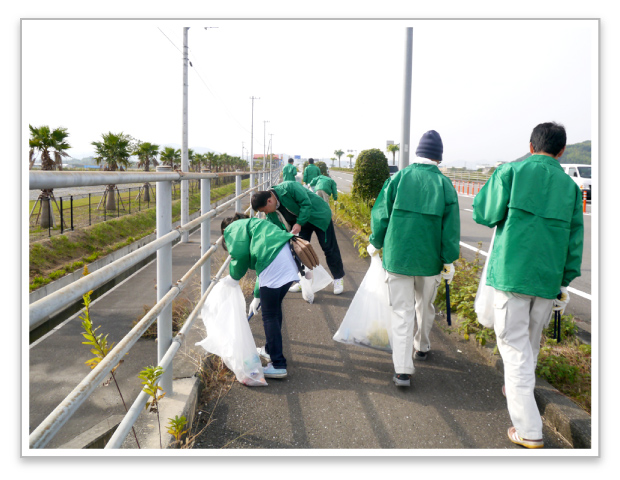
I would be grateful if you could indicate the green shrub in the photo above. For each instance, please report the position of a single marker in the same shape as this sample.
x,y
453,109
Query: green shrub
x,y
323,167
57,274
370,173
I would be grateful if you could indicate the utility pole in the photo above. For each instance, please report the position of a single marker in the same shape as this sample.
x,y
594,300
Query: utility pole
x,y
252,141
403,161
265,122
184,159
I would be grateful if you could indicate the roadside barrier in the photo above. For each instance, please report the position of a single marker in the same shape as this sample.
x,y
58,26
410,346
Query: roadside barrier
x,y
585,198
167,346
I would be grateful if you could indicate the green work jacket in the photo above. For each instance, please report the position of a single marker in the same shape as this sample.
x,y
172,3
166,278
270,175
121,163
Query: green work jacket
x,y
538,211
311,172
253,243
415,219
307,206
289,172
327,184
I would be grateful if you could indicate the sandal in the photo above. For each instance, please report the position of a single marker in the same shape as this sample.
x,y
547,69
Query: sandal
x,y
515,438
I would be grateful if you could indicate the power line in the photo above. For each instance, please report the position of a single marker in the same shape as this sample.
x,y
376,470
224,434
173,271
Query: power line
x,y
224,107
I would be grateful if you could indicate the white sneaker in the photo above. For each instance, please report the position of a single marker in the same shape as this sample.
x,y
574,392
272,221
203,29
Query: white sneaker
x,y
338,286
295,288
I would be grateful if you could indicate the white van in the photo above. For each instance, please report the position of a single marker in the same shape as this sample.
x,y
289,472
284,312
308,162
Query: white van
x,y
581,174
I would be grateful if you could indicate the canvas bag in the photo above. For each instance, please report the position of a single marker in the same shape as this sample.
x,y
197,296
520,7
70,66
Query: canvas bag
x,y
228,333
483,304
368,320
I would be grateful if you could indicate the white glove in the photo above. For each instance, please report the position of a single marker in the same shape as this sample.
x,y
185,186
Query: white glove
x,y
448,272
254,306
229,281
371,250
559,304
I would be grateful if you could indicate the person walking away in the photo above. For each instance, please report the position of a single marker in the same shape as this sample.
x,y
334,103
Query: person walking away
x,y
537,252
259,245
415,220
311,171
295,209
325,186
289,172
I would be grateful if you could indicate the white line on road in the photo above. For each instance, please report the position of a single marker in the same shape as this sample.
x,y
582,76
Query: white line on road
x,y
570,289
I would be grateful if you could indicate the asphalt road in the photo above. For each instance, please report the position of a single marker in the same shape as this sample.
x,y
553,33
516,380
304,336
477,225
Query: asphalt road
x,y
472,233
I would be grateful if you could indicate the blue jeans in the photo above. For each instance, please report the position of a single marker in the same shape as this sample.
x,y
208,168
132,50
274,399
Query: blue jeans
x,y
271,306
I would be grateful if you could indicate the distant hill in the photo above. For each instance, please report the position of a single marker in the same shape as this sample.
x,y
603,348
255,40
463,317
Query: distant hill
x,y
575,153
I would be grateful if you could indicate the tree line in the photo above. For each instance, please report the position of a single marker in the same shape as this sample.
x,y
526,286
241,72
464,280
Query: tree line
x,y
112,153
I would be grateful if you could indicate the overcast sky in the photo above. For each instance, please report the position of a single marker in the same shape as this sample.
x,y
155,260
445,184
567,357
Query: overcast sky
x,y
322,85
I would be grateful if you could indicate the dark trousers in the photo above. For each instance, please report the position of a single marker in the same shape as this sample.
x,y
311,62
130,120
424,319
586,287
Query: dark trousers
x,y
271,306
327,240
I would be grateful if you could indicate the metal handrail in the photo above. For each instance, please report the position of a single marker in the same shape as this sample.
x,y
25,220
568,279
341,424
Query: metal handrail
x,y
39,310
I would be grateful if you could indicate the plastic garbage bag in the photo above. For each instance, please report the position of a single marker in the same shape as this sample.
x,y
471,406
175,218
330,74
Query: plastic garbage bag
x,y
315,280
483,304
368,320
229,335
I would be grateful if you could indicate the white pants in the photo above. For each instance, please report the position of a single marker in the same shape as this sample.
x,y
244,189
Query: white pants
x,y
323,195
411,299
519,322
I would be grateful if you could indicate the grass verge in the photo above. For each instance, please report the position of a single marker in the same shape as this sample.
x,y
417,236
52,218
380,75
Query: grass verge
x,y
58,255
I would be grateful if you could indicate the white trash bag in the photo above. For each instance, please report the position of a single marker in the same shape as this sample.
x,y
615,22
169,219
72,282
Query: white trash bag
x,y
315,280
483,304
229,335
368,320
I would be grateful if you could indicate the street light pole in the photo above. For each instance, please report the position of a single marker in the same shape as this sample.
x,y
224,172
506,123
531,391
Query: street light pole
x,y
252,140
184,159
403,161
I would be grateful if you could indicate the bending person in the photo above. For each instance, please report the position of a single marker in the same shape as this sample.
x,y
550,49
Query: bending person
x,y
259,245
297,210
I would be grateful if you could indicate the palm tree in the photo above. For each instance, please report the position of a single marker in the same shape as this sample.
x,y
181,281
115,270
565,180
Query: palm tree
x,y
209,157
338,153
350,155
146,153
169,156
46,141
114,151
393,148
333,159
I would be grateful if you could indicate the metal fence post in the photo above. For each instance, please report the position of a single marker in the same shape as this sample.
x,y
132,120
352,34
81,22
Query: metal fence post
x,y
71,212
89,219
61,218
205,232
164,275
238,191
49,215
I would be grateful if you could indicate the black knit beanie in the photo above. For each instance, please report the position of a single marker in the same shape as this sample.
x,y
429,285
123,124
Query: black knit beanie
x,y
430,146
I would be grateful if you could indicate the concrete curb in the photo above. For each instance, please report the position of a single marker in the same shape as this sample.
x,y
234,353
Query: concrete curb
x,y
568,418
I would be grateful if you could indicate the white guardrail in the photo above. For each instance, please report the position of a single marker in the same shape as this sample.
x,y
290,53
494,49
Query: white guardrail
x,y
167,346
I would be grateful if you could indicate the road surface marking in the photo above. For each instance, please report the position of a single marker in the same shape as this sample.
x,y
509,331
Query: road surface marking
x,y
570,289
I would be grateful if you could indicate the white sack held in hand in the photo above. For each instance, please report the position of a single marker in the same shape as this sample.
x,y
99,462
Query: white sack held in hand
x,y
315,280
483,304
228,333
368,320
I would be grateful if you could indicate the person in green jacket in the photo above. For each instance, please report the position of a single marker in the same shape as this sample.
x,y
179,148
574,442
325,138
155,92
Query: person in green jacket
x,y
296,209
537,211
415,220
311,171
261,246
289,172
325,186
